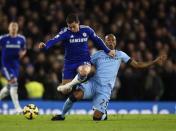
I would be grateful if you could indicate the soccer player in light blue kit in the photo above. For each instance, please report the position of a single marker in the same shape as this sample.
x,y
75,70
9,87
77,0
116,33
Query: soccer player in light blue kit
x,y
99,87
13,47
77,58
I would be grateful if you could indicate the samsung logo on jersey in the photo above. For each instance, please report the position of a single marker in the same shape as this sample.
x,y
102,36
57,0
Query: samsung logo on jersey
x,y
12,46
78,40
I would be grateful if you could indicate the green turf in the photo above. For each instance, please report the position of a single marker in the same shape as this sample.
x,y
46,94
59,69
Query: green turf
x,y
85,123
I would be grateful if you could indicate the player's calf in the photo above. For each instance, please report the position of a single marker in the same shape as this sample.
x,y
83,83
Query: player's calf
x,y
99,116
14,94
75,96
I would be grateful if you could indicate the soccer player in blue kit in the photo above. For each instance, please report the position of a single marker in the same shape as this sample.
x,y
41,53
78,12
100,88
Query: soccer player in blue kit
x,y
13,48
77,58
99,87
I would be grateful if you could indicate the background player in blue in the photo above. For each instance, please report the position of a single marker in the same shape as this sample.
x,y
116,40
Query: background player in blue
x,y
13,47
77,58
99,87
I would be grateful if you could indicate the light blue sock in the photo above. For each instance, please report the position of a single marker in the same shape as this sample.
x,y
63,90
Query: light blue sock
x,y
67,106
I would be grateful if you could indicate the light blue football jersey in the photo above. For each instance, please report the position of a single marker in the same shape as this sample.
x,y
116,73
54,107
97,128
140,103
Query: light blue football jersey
x,y
107,67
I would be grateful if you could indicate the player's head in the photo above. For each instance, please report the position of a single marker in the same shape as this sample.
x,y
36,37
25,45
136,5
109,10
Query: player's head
x,y
73,22
13,28
110,41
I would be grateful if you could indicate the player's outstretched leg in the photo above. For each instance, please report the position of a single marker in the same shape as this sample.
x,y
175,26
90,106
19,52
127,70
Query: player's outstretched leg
x,y
68,87
83,72
75,96
67,106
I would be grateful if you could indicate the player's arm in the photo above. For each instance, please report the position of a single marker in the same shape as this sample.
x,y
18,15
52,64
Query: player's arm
x,y
23,49
140,65
0,40
22,53
97,40
94,59
60,37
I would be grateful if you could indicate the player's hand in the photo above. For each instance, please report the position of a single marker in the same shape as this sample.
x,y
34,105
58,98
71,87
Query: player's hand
x,y
161,59
22,54
41,45
112,53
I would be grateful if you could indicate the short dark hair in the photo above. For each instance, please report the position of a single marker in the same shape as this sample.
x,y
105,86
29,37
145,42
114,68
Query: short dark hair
x,y
72,18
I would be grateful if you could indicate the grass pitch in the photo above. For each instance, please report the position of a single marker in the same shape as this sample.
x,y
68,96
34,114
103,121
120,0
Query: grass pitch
x,y
85,123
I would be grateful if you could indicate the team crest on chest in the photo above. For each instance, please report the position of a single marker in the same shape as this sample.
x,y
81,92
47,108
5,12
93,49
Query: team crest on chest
x,y
18,42
84,34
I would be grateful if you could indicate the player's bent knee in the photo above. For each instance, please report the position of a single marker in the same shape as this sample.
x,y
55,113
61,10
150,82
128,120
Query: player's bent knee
x,y
13,81
97,116
84,70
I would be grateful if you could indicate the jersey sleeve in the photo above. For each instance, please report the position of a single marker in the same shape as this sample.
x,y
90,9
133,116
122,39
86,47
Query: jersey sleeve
x,y
125,57
0,40
98,41
23,45
59,37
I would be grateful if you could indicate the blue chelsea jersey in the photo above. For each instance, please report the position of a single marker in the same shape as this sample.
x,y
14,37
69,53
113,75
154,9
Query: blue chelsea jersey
x,y
76,43
10,47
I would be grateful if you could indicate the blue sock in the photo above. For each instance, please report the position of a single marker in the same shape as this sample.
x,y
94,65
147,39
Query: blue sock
x,y
67,106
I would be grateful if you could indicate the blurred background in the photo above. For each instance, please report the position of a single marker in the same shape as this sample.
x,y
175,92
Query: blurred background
x,y
144,29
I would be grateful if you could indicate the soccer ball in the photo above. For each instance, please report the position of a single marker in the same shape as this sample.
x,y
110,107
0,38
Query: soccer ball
x,y
30,111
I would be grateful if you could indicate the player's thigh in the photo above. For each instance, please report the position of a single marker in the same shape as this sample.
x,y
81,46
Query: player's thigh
x,y
88,90
69,74
10,73
100,102
70,70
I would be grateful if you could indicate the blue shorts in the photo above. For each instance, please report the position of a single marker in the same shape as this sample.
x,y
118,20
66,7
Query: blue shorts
x,y
100,98
10,72
70,70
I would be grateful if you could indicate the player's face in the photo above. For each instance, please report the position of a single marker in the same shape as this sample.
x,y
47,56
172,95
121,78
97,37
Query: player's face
x,y
74,27
13,28
110,41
